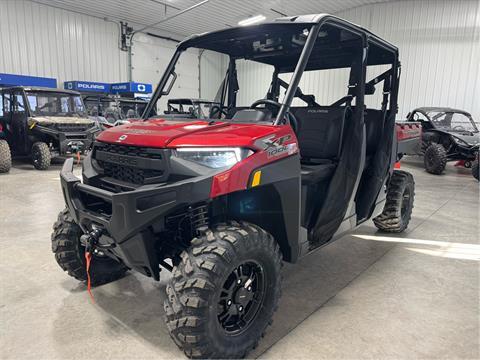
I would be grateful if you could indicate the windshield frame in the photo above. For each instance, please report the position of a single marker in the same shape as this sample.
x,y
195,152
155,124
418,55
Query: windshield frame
x,y
58,95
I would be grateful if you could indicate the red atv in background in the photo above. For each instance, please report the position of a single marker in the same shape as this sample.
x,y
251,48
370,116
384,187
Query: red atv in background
x,y
222,202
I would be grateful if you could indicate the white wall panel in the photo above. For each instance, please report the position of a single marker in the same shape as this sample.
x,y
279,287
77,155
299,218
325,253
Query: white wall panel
x,y
40,40
150,59
439,44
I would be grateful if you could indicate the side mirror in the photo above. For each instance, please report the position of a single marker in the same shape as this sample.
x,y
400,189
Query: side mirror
x,y
369,89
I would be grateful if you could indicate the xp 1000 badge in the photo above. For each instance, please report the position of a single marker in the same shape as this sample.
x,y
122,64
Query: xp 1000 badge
x,y
276,146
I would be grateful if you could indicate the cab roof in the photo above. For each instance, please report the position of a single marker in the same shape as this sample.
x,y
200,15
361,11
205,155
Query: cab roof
x,y
279,43
427,109
43,89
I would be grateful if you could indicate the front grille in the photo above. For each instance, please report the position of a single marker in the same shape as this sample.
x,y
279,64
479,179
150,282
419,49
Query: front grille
x,y
73,127
131,164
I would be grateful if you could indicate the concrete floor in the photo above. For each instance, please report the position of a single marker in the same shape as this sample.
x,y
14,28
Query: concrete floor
x,y
365,296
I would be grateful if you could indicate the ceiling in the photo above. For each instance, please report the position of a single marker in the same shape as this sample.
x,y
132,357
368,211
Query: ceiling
x,y
213,15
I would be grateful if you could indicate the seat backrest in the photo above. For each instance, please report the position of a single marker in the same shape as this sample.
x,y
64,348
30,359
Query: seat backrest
x,y
320,131
373,128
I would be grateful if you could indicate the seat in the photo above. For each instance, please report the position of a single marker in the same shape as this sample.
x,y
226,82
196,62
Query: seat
x,y
319,134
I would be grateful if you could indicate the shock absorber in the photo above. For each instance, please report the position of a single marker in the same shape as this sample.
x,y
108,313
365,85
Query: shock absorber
x,y
199,219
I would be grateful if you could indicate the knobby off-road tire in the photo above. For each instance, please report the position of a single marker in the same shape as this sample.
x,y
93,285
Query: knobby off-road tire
x,y
5,157
399,203
41,156
197,296
70,254
435,158
475,169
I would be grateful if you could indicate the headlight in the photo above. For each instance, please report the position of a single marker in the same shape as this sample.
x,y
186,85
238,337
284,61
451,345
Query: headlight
x,y
214,158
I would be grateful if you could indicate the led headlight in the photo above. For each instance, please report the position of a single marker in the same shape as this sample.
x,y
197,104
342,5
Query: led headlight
x,y
214,158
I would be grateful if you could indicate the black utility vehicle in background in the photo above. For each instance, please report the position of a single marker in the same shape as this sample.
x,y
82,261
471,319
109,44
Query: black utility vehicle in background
x,y
42,123
192,108
107,110
222,202
447,135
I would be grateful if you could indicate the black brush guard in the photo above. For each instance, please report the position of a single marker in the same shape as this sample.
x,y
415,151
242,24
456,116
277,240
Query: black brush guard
x,y
126,230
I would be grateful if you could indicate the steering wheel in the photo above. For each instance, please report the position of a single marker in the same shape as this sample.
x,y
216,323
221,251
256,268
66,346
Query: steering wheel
x,y
217,109
289,117
460,127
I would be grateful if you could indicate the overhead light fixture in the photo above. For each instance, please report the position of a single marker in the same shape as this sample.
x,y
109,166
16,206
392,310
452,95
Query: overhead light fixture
x,y
251,20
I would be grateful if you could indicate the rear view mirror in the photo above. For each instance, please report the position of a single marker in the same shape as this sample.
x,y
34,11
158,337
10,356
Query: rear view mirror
x,y
369,89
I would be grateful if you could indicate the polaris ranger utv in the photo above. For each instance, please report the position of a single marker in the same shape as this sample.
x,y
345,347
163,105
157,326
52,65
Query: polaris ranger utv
x,y
222,202
42,123
447,135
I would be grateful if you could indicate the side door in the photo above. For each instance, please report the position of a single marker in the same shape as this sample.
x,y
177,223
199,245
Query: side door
x,y
6,115
18,122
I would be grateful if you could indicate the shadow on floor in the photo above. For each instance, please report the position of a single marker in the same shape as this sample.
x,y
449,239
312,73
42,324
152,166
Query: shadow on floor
x,y
135,304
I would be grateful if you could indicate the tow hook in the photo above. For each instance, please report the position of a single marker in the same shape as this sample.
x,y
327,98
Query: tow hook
x,y
89,240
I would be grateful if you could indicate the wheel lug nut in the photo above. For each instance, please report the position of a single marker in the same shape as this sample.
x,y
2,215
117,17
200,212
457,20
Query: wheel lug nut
x,y
240,308
229,302
239,281
249,288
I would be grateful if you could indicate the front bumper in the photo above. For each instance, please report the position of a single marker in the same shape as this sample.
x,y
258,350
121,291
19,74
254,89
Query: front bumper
x,y
127,225
69,142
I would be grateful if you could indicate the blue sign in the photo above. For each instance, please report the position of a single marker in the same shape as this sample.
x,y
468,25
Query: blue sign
x,y
131,87
87,86
24,80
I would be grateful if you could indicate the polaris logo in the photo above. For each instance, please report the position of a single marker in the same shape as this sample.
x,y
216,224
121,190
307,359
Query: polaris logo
x,y
90,86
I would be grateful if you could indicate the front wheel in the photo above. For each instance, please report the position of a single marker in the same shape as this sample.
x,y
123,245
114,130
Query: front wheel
x,y
5,157
399,203
435,158
41,156
70,254
224,291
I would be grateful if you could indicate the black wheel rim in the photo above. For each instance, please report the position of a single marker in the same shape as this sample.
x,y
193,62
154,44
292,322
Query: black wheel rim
x,y
241,297
405,202
36,157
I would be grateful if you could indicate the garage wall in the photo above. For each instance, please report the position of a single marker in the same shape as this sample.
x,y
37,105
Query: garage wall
x,y
439,44
58,43
150,58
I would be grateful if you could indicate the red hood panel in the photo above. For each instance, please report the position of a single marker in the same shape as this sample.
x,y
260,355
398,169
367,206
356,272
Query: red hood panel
x,y
171,133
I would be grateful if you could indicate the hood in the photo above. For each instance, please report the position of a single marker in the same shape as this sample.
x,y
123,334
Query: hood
x,y
45,120
175,133
472,139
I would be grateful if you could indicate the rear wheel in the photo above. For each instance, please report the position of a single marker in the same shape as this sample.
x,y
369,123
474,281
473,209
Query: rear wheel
x,y
5,157
475,169
224,292
399,203
435,158
41,156
70,254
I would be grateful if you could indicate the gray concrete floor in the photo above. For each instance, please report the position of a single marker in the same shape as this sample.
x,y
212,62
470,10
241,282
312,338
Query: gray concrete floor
x,y
365,296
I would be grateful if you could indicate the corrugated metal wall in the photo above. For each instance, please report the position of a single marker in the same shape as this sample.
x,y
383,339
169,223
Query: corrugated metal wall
x,y
439,44
41,40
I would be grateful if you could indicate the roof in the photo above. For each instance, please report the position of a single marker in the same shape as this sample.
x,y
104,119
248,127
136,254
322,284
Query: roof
x,y
254,42
427,109
44,89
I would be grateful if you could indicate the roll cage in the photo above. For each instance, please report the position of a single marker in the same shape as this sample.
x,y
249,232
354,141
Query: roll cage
x,y
328,43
